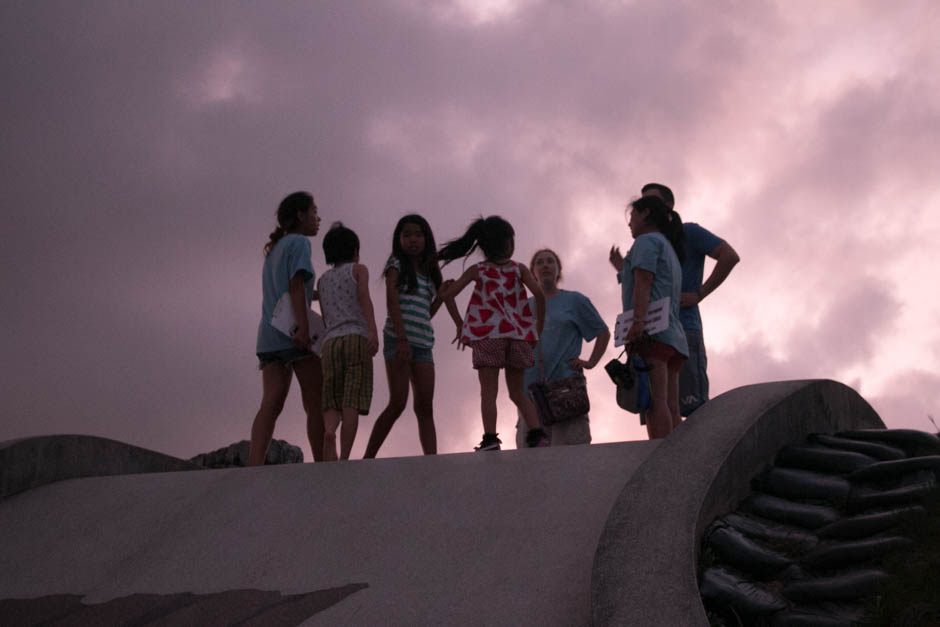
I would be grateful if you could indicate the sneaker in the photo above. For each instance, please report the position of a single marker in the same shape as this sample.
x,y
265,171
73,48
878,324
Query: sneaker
x,y
536,438
489,443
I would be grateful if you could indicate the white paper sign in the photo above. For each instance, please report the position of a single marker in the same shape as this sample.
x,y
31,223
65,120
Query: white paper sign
x,y
657,320
284,321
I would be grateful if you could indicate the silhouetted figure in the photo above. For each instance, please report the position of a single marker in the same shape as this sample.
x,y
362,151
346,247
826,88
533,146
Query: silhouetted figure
x,y
288,269
652,270
570,318
412,295
499,326
350,340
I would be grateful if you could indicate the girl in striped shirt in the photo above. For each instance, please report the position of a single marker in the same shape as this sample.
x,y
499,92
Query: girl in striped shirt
x,y
412,285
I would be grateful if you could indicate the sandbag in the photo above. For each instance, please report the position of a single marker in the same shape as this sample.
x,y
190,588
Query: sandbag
x,y
734,548
864,525
723,586
793,483
910,440
787,537
890,469
802,514
911,490
866,447
831,555
854,584
822,459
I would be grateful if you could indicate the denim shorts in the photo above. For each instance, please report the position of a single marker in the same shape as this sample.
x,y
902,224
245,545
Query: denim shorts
x,y
285,357
390,345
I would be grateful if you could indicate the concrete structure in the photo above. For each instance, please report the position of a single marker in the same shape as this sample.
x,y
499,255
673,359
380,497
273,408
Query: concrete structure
x,y
31,462
645,567
477,538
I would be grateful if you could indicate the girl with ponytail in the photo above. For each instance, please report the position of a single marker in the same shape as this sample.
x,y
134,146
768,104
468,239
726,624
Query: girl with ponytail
x,y
653,270
288,269
499,326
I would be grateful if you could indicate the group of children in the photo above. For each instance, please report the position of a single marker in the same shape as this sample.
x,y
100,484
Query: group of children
x,y
500,327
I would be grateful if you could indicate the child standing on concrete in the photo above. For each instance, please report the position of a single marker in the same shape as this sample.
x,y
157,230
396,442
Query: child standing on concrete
x,y
500,325
351,340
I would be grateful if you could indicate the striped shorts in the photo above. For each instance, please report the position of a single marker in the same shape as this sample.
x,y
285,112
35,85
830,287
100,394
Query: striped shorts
x,y
347,374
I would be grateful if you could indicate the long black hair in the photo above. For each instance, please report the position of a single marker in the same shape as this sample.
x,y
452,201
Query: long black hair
x,y
427,262
666,220
493,235
287,217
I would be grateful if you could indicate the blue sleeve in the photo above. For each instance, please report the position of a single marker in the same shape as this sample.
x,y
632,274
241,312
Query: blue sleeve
x,y
586,318
700,240
645,253
297,258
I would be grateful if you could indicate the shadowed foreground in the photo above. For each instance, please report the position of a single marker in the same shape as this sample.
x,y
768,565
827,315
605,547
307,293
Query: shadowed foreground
x,y
247,608
432,540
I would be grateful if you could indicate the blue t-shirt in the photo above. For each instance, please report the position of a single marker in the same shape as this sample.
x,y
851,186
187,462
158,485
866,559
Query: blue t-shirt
x,y
653,252
699,242
289,256
569,318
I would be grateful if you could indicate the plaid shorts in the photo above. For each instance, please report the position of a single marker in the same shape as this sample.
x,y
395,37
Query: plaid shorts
x,y
347,374
502,352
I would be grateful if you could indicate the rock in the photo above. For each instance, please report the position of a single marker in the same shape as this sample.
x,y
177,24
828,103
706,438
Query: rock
x,y
236,455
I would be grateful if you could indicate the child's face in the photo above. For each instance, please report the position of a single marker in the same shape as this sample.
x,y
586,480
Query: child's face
x,y
309,221
411,239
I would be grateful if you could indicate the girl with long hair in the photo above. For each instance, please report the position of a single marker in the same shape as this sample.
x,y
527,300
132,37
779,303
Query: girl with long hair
x,y
500,326
653,270
288,269
413,296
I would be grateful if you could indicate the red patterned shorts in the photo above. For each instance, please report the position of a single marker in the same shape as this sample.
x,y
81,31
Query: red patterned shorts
x,y
502,352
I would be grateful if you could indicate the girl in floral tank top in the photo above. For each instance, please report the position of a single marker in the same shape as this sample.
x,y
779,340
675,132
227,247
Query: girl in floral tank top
x,y
499,325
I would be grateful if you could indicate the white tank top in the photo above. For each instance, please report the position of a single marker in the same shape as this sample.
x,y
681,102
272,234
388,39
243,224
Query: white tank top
x,y
339,303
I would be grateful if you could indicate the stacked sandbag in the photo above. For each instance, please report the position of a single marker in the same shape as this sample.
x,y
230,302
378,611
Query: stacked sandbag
x,y
805,547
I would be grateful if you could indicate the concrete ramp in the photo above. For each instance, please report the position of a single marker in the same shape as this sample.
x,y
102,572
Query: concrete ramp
x,y
491,538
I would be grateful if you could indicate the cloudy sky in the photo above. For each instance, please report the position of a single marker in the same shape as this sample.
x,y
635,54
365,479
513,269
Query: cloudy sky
x,y
145,147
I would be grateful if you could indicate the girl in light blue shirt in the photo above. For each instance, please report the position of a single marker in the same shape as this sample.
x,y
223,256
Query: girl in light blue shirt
x,y
653,270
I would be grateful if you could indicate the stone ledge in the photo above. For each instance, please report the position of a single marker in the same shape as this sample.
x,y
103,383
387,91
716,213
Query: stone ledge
x,y
31,462
644,570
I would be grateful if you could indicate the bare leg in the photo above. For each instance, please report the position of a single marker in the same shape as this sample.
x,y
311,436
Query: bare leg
x,y
275,381
673,399
489,386
422,383
659,419
515,377
331,420
397,400
348,433
310,377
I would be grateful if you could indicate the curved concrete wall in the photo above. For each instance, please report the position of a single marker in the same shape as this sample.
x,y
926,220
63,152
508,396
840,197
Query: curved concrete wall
x,y
32,462
644,569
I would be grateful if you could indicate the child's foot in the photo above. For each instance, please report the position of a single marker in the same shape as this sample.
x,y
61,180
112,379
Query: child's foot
x,y
489,443
536,438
